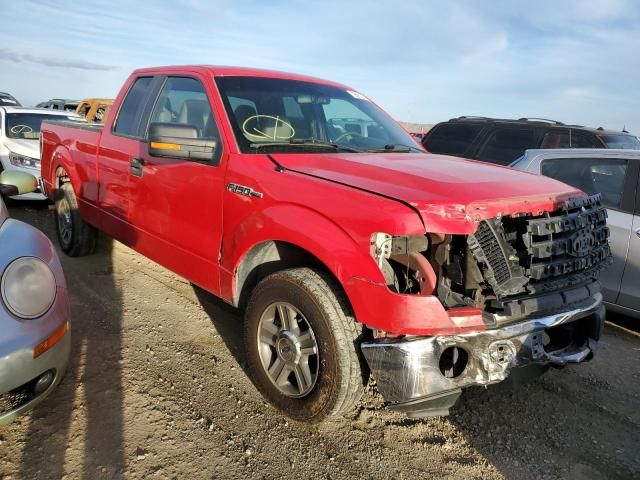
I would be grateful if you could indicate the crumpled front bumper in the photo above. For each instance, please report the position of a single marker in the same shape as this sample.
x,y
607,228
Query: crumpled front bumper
x,y
424,376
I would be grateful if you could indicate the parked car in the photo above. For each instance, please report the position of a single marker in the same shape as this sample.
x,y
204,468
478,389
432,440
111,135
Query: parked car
x,y
614,175
34,310
19,140
503,141
334,241
8,100
94,109
60,104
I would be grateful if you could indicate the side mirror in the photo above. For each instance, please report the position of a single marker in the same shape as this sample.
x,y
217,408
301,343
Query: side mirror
x,y
179,141
13,182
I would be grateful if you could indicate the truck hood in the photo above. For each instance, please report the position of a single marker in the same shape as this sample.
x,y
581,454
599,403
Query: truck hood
x,y
451,194
29,148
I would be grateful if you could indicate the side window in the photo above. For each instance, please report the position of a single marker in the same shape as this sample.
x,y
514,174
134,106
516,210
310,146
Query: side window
x,y
505,145
583,140
591,175
128,122
557,138
183,100
344,118
452,139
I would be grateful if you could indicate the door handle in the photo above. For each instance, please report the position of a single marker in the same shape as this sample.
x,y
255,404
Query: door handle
x,y
136,166
638,232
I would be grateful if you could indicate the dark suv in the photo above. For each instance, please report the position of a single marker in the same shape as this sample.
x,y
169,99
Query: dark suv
x,y
503,141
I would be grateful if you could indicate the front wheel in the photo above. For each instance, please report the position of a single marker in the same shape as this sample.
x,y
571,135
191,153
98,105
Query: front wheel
x,y
302,345
76,237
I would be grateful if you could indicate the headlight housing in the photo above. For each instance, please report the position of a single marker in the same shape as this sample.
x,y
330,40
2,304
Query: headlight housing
x,y
28,287
24,161
404,262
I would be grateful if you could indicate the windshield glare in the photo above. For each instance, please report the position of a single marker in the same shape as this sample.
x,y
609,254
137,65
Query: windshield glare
x,y
27,125
628,142
284,114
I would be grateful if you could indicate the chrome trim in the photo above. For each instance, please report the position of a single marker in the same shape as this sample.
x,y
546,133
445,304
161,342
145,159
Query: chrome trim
x,y
408,370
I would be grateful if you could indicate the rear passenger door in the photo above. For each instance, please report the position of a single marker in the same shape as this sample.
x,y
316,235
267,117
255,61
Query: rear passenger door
x,y
504,144
176,204
616,179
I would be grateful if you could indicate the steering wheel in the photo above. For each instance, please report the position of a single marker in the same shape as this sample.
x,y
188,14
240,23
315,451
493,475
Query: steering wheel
x,y
346,134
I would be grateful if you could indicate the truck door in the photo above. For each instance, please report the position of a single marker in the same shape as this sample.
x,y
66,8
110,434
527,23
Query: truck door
x,y
615,178
118,146
175,203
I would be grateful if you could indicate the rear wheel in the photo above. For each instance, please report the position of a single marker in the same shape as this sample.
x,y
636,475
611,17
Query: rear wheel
x,y
76,237
302,345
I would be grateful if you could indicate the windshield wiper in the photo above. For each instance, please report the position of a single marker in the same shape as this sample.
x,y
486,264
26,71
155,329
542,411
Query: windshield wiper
x,y
305,144
395,147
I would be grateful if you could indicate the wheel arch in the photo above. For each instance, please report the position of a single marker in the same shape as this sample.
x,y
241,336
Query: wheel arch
x,y
63,169
271,256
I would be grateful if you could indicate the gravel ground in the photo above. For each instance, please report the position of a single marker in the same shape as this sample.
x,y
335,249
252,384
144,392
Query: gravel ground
x,y
156,389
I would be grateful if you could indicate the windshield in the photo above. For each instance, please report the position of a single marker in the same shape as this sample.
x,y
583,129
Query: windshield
x,y
285,115
628,142
27,125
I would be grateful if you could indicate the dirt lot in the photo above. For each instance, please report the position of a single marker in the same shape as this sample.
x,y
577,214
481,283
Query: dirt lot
x,y
156,389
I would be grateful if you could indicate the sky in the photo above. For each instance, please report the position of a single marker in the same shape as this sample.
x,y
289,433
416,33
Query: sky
x,y
576,61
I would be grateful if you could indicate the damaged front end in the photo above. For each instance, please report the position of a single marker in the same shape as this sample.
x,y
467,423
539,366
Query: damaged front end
x,y
530,279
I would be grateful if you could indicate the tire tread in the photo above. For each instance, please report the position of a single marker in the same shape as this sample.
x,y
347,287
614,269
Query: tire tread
x,y
85,237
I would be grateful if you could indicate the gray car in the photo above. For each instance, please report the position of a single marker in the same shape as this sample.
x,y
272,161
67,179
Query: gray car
x,y
615,175
34,309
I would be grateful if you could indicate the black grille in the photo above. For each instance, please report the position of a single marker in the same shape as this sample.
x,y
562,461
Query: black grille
x,y
535,255
18,397
502,269
567,244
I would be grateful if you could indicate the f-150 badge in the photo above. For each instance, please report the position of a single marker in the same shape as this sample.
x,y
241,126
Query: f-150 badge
x,y
242,190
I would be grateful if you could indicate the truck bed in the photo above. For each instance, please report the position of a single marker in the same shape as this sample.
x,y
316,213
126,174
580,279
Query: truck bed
x,y
78,142
75,124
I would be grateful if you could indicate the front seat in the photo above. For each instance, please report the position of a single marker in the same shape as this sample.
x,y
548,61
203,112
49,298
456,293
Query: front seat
x,y
195,113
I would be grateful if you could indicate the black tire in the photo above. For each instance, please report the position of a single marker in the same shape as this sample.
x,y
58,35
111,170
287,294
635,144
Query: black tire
x,y
316,296
82,238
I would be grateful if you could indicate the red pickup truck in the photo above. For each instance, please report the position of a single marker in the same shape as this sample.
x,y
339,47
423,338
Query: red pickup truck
x,y
350,249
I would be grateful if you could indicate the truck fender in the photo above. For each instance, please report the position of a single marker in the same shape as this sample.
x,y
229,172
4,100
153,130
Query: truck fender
x,y
286,236
61,162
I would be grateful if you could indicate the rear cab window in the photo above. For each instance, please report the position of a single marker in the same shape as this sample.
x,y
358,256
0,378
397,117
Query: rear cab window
x,y
452,139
